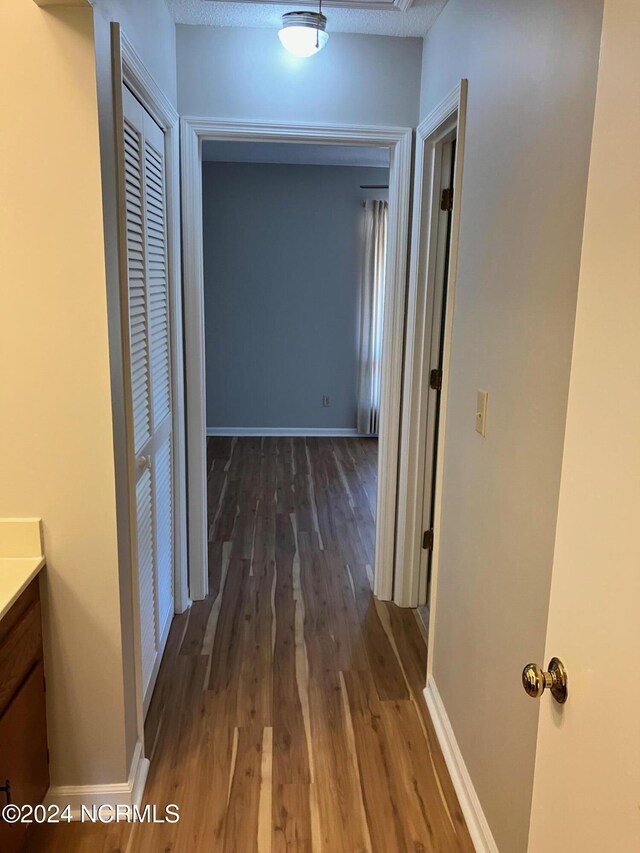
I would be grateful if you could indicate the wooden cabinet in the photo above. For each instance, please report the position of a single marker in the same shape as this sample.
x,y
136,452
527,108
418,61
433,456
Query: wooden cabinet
x,y
24,763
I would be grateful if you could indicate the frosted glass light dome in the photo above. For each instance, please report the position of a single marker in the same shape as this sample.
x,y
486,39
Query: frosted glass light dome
x,y
303,33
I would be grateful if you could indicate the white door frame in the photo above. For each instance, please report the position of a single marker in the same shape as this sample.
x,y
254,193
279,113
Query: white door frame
x,y
449,115
399,140
129,70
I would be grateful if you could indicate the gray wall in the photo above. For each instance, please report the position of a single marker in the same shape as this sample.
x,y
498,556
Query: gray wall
x,y
150,28
532,75
243,73
281,262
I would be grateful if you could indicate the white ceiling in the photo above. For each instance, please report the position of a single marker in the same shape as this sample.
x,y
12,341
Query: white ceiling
x,y
375,17
295,154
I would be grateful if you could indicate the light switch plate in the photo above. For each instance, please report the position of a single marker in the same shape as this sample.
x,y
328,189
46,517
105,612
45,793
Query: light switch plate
x,y
481,412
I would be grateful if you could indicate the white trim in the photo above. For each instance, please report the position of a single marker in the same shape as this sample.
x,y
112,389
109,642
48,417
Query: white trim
x,y
477,824
319,134
286,431
448,114
195,398
127,793
442,111
144,87
399,141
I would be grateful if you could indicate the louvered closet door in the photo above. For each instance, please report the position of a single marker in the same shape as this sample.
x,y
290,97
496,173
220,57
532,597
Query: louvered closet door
x,y
150,379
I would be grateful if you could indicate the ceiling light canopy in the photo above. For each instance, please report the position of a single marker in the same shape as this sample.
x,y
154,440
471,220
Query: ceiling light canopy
x,y
303,33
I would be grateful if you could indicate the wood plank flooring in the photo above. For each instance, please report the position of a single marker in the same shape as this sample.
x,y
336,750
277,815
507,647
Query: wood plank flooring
x,y
288,714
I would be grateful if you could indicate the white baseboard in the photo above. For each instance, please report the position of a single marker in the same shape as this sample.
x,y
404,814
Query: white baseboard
x,y
127,793
477,824
301,432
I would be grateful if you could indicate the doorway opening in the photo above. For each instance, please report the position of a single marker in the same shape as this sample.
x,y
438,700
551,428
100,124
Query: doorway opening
x,y
295,246
195,133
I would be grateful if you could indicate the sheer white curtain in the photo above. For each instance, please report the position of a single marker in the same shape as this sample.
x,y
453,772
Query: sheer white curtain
x,y
371,315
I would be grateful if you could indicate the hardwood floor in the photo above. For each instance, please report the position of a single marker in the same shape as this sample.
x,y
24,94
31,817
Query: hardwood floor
x,y
288,714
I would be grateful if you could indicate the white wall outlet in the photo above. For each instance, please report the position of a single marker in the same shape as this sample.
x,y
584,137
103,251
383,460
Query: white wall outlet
x,y
326,401
481,412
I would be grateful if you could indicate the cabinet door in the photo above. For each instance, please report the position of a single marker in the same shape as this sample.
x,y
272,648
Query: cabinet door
x,y
151,403
24,763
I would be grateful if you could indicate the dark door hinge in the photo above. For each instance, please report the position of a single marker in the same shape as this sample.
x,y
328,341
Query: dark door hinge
x,y
435,379
427,540
446,200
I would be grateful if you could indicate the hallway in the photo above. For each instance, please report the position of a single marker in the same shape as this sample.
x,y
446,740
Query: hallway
x,y
288,713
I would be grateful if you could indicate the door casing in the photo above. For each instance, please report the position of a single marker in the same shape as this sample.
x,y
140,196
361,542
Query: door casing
x,y
447,120
399,141
437,305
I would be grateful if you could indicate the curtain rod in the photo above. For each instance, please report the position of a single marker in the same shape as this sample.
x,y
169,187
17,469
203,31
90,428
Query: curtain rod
x,y
374,186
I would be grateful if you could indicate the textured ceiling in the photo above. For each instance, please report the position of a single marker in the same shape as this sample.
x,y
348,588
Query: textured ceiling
x,y
416,21
291,153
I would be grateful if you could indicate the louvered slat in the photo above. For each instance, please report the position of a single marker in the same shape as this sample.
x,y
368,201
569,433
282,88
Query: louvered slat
x,y
146,576
164,532
141,402
158,294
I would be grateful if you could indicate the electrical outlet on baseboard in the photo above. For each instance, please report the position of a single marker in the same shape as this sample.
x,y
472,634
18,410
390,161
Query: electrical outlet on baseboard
x,y
326,401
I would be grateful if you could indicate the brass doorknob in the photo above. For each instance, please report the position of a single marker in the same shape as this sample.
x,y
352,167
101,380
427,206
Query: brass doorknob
x,y
535,681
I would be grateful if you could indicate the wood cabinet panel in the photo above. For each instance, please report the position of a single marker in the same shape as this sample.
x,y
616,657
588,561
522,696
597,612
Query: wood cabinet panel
x,y
13,616
23,755
19,651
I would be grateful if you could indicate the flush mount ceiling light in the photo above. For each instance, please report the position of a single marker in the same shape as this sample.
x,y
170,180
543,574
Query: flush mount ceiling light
x,y
304,33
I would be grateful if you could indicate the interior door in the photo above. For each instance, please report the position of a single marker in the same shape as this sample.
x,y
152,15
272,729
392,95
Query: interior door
x,y
586,795
150,364
436,360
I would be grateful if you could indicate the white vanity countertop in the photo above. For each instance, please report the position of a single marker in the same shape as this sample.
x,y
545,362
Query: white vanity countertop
x,y
21,557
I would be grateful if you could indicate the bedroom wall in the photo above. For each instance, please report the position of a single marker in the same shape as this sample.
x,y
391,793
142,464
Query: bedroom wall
x,y
282,253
